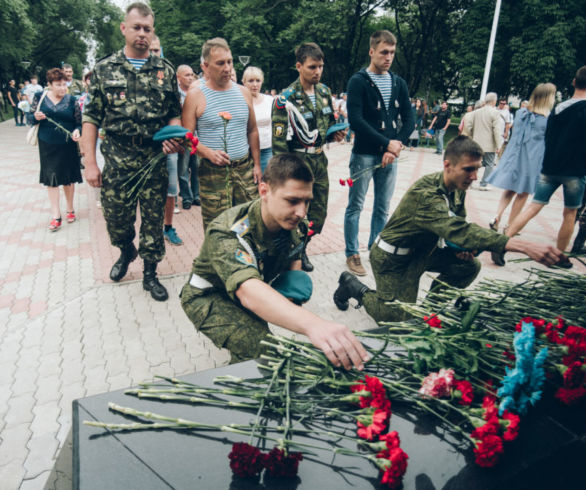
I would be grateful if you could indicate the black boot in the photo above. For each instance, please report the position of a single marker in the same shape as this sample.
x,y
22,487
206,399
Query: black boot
x,y
498,259
349,287
306,265
578,247
120,267
152,284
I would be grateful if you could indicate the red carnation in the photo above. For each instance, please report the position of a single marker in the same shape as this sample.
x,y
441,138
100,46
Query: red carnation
x,y
189,135
391,439
342,182
465,390
509,355
491,428
378,394
350,181
393,463
245,460
280,464
372,424
488,450
512,422
490,409
571,396
310,224
433,321
310,233
574,375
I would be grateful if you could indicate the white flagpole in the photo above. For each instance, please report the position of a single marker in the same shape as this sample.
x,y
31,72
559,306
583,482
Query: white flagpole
x,y
495,22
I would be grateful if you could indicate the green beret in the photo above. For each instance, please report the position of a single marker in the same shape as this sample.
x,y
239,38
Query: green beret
x,y
294,285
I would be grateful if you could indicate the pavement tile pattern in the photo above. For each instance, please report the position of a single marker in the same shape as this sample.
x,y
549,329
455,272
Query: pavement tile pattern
x,y
67,331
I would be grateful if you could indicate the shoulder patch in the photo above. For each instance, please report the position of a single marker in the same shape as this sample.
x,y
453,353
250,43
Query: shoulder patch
x,y
241,226
243,257
288,92
280,102
278,130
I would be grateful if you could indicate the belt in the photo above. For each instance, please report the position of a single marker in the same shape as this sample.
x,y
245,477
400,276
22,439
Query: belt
x,y
391,249
132,140
311,149
199,282
240,161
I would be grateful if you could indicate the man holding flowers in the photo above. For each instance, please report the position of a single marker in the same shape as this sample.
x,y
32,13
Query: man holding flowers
x,y
428,232
222,114
248,272
132,95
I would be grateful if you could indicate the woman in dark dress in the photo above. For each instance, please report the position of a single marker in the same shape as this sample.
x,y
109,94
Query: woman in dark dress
x,y
60,162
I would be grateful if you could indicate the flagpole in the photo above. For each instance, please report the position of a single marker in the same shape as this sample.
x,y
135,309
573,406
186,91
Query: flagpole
x,y
495,22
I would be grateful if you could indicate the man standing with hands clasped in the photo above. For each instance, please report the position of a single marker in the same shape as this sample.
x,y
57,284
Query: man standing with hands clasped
x,y
132,95
376,98
302,115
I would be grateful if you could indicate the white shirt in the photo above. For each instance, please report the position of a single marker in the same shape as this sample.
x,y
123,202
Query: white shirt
x,y
262,112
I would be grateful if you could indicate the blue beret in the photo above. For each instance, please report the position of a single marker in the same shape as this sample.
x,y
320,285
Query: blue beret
x,y
337,127
294,285
169,132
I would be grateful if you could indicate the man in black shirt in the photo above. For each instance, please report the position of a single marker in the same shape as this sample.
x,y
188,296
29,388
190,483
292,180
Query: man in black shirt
x,y
13,99
440,124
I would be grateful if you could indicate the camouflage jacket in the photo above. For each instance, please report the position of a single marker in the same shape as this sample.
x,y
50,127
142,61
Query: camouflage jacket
x,y
76,88
423,217
320,117
238,247
129,102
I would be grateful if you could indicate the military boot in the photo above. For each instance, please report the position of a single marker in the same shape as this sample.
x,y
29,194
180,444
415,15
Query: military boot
x,y
349,287
578,247
152,284
306,265
120,267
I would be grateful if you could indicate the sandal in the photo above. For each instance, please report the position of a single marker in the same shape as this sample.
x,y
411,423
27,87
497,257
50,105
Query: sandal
x,y
70,216
494,224
55,224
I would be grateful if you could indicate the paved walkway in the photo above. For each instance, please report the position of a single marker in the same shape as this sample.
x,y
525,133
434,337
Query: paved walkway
x,y
67,331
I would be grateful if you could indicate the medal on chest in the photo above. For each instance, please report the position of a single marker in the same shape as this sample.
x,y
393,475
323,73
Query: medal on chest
x,y
160,76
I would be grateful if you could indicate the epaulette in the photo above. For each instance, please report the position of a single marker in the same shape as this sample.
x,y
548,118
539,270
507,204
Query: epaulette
x,y
105,57
323,89
241,226
168,63
281,99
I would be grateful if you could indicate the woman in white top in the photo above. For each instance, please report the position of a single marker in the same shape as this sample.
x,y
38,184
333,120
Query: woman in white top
x,y
252,79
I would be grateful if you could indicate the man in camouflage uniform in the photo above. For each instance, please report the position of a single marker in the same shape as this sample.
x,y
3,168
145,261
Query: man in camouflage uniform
x,y
74,87
428,232
302,115
131,103
248,268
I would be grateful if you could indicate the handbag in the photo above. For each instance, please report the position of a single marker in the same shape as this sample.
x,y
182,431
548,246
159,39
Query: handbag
x,y
32,136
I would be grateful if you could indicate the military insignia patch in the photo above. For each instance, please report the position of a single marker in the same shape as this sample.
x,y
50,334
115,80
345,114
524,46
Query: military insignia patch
x,y
278,129
243,257
280,102
325,100
122,96
160,74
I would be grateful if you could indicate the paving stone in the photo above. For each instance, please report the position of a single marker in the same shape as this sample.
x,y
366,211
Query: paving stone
x,y
119,382
41,457
48,389
11,474
38,482
14,445
46,419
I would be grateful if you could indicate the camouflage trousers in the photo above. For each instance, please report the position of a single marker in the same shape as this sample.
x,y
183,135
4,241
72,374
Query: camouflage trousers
x,y
122,192
397,278
225,323
222,188
318,208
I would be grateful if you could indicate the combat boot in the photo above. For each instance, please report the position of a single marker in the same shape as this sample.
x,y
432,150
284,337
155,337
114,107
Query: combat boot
x,y
306,265
152,284
349,287
578,247
120,267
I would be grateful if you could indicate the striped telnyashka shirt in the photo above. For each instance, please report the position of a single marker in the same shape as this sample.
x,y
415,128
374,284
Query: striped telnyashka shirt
x,y
210,126
384,84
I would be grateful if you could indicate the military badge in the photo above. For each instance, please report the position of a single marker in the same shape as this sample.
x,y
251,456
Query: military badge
x,y
243,257
160,76
122,96
278,129
109,97
325,100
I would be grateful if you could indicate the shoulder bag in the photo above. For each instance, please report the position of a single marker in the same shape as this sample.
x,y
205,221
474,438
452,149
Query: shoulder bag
x,y
32,136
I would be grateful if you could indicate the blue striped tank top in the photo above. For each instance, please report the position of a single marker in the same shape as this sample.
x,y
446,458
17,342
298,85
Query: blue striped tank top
x,y
210,126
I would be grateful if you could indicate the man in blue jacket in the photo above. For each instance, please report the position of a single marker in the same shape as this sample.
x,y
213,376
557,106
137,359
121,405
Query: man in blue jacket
x,y
376,98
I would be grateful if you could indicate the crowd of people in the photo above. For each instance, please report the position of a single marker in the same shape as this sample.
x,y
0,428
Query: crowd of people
x,y
260,176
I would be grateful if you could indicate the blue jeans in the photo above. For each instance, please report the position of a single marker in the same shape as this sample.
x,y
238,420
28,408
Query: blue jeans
x,y
265,156
384,186
439,140
172,171
573,190
188,181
